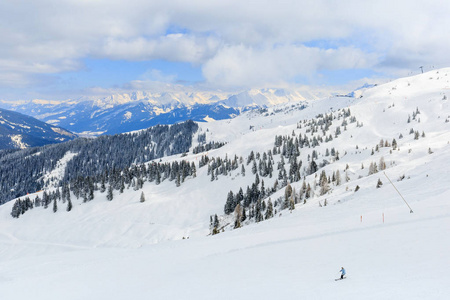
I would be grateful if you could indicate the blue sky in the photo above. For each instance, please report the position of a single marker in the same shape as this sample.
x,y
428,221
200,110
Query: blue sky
x,y
69,49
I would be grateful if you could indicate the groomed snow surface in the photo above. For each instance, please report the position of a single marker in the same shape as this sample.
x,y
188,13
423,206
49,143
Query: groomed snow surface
x,y
125,249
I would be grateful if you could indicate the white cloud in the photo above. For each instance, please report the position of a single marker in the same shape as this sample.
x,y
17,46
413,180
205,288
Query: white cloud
x,y
158,75
241,43
171,47
245,66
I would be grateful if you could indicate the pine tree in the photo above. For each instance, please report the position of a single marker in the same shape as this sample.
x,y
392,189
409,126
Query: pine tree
x,y
102,185
338,178
229,204
394,144
287,195
258,211
237,216
323,183
142,200
254,167
16,210
379,183
122,185
55,205
292,202
45,199
269,210
69,205
91,191
215,225
110,194
308,191
382,164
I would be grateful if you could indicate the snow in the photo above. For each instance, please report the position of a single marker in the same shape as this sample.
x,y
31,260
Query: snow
x,y
57,174
208,119
16,139
161,249
127,115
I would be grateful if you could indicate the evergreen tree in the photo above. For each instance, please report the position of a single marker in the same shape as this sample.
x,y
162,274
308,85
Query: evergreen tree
x,y
110,194
292,202
308,191
263,190
69,205
287,195
215,225
323,183
55,205
258,211
91,191
312,167
142,200
237,216
244,215
338,178
254,167
102,185
269,210
229,204
37,201
45,199
379,183
17,209
382,164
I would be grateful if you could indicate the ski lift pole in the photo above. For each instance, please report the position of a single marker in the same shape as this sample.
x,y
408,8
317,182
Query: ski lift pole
x,y
410,209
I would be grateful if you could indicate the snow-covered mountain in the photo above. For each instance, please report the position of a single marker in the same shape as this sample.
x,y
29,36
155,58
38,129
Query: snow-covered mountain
x,y
120,113
18,131
153,239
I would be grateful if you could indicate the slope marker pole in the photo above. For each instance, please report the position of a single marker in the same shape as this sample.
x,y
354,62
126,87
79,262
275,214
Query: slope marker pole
x,y
410,209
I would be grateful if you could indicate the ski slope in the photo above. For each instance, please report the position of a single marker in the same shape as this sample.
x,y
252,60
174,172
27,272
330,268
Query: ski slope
x,y
161,249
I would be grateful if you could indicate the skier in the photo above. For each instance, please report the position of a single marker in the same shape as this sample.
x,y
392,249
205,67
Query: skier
x,y
343,272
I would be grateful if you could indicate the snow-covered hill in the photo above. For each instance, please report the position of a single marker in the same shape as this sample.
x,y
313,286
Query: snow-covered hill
x,y
120,113
18,131
162,248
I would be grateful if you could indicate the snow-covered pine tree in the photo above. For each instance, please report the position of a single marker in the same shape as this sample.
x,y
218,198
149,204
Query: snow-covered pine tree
x,y
237,216
269,210
258,211
323,183
382,164
338,178
287,196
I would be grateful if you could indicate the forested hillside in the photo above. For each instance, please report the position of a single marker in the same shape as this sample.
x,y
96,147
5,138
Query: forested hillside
x,y
27,171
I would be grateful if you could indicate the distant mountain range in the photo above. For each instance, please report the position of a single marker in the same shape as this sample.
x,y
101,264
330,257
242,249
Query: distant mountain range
x,y
138,110
18,131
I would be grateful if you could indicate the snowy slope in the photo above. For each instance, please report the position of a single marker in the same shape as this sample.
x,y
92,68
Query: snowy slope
x,y
126,249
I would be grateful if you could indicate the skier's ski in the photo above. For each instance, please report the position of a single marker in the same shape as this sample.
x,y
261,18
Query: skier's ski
x,y
339,279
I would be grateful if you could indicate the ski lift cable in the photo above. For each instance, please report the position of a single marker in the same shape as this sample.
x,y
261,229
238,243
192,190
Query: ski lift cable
x,y
410,209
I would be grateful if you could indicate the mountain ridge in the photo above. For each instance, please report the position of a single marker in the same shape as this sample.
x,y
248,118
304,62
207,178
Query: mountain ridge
x,y
18,131
120,113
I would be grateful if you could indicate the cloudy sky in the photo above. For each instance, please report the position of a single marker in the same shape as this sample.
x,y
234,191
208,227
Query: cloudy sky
x,y
69,48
